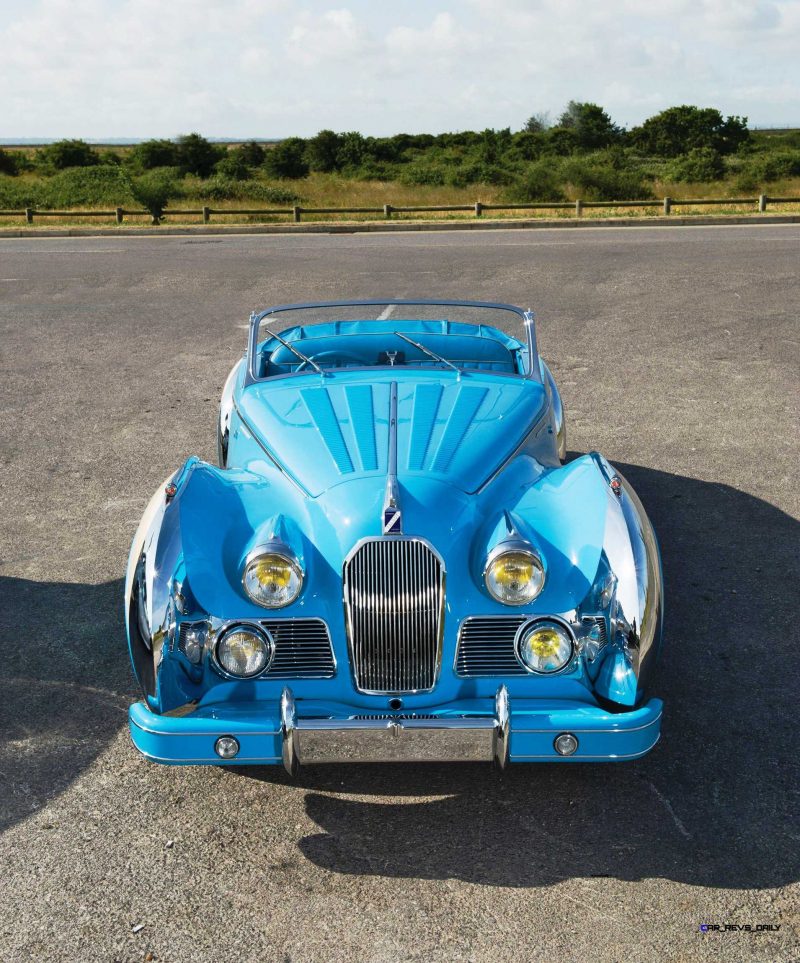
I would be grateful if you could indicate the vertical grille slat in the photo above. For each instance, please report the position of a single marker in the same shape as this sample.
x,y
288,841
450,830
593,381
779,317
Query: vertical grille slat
x,y
394,595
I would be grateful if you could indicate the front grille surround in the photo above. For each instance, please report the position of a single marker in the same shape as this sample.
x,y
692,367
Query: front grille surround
x,y
394,594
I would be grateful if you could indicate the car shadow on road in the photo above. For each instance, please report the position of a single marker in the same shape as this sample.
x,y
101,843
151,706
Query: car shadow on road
x,y
713,805
65,685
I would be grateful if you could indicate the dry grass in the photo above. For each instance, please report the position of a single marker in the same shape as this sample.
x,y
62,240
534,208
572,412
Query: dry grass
x,y
330,190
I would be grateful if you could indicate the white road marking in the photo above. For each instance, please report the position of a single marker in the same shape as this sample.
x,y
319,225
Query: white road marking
x,y
386,313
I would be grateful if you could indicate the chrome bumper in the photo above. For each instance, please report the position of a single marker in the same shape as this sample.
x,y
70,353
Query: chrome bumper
x,y
456,739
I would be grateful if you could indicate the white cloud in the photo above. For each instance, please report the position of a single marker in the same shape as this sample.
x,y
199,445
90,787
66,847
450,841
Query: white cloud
x,y
278,67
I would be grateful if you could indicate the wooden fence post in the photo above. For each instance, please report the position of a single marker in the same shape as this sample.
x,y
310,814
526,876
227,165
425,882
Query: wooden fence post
x,y
296,214
478,209
118,215
387,211
206,215
29,215
762,203
667,205
578,207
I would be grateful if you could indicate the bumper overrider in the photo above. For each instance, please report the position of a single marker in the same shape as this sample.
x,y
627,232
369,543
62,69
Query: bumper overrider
x,y
294,734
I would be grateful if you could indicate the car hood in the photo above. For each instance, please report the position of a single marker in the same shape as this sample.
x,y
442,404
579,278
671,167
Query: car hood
x,y
326,431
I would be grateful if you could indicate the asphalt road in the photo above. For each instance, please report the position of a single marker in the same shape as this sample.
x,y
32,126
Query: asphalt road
x,y
677,355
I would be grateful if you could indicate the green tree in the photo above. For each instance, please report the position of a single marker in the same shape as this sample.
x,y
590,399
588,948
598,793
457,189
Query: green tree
x,y
677,130
251,152
68,153
154,153
590,125
323,151
287,159
537,123
198,156
352,149
8,163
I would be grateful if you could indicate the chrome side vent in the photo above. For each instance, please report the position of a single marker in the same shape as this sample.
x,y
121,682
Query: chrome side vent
x,y
394,605
486,646
302,649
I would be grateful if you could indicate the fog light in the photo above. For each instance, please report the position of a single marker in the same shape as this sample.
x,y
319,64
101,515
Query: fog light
x,y
226,747
565,744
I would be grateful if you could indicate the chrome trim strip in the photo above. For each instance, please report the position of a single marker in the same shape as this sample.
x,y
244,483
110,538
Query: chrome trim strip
x,y
647,725
578,758
392,517
534,429
268,453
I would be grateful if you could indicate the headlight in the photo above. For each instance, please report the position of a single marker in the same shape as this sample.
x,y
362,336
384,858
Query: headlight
x,y
544,646
244,651
272,580
514,577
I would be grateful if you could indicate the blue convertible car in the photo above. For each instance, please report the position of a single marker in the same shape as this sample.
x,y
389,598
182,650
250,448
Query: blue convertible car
x,y
392,561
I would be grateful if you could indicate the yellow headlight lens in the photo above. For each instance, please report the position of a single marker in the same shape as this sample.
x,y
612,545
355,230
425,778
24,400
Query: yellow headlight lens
x,y
244,652
515,577
545,647
272,580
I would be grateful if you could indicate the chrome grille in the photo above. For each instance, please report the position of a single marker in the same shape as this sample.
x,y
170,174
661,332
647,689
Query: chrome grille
x,y
394,601
302,649
486,646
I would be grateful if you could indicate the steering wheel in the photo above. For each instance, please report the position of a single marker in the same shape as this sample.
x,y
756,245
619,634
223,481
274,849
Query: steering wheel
x,y
338,355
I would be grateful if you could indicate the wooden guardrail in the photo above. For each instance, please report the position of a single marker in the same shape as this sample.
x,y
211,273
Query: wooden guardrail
x,y
297,212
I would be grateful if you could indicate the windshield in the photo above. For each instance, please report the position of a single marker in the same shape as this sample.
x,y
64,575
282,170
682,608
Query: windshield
x,y
456,335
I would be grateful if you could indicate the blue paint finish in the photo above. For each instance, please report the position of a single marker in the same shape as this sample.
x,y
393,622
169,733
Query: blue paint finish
x,y
362,417
427,397
307,464
602,736
466,406
318,403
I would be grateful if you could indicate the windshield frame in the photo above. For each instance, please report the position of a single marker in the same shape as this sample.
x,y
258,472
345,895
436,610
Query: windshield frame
x,y
527,317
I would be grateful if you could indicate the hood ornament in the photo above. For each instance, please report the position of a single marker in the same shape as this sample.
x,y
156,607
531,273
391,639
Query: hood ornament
x,y
392,513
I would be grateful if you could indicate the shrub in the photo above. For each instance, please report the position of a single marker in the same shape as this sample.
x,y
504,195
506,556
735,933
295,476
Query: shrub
x,y
478,173
16,193
154,153
86,186
67,153
415,175
539,182
198,156
220,188
766,167
700,164
155,189
233,167
677,130
9,164
603,179
287,159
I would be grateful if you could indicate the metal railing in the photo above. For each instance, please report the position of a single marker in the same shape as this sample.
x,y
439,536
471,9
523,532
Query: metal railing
x,y
296,212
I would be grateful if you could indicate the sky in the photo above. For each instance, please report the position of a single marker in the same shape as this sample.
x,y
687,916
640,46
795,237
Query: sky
x,y
275,68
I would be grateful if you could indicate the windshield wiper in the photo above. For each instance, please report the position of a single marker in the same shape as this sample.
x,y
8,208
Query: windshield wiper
x,y
429,353
299,354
